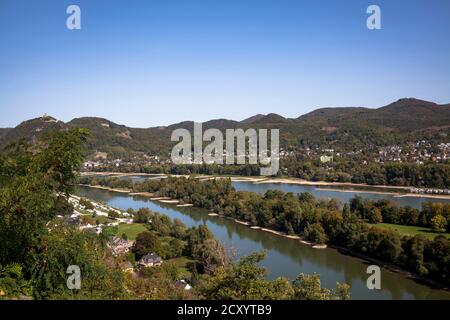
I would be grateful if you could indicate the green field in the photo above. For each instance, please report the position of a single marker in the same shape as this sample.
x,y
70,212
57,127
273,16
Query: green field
x,y
411,230
182,264
101,219
131,230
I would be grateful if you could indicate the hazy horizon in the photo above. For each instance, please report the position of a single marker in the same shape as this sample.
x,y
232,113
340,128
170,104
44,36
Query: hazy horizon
x,y
146,64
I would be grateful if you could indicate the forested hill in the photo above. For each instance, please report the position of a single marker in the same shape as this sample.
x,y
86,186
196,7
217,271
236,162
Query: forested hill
x,y
343,129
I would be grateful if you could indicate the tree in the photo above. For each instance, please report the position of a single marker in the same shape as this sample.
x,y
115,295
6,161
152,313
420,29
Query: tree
x,y
389,248
35,181
64,246
113,214
146,242
308,287
245,280
161,224
86,204
143,215
413,250
212,254
179,229
315,233
374,215
176,247
438,223
61,156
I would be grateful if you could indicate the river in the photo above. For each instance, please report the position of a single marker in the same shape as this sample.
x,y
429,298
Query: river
x,y
285,257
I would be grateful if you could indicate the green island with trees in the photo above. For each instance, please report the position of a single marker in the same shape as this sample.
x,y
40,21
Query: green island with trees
x,y
354,227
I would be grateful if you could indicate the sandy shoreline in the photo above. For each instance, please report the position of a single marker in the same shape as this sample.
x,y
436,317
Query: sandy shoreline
x,y
325,183
172,201
144,194
106,188
418,195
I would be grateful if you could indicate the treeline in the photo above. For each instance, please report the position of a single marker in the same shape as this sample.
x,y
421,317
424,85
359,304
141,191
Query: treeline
x,y
430,175
208,169
435,215
320,221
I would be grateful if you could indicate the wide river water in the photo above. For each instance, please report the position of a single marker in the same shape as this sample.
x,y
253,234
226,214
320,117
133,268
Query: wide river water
x,y
287,257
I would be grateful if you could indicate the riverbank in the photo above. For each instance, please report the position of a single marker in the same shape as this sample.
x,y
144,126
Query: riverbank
x,y
391,268
398,191
106,188
275,232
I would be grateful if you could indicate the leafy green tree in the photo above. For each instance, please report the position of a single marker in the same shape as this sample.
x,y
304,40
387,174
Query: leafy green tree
x,y
176,247
438,223
64,246
374,215
12,282
212,255
308,287
315,233
146,242
245,280
86,204
36,181
143,215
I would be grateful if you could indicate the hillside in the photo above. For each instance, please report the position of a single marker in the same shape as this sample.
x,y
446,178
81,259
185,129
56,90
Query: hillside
x,y
4,131
347,128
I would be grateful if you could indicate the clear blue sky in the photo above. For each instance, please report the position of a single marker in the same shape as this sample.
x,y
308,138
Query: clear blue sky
x,y
156,62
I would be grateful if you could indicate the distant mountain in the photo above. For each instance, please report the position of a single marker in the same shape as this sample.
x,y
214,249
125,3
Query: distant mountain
x,y
404,115
271,118
30,129
253,118
4,131
349,128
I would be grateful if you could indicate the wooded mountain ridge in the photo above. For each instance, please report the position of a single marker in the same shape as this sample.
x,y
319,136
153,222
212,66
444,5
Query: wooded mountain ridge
x,y
341,128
